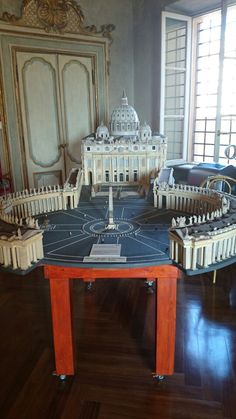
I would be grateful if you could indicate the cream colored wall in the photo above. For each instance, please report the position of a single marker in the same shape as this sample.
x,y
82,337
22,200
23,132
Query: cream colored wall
x,y
120,13
135,52
147,35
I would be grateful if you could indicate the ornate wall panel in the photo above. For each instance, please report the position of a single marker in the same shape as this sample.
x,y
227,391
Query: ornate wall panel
x,y
78,102
41,108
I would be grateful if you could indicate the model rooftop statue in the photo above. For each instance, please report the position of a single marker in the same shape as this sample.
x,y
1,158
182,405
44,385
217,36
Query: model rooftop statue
x,y
127,153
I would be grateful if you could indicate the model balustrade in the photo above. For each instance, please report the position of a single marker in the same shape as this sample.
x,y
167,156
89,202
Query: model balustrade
x,y
208,235
187,198
21,240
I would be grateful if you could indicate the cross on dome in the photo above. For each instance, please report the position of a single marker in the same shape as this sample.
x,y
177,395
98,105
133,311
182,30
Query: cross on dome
x,y
124,100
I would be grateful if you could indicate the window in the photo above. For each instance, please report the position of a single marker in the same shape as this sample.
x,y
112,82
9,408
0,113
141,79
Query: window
x,y
214,119
198,113
107,177
176,48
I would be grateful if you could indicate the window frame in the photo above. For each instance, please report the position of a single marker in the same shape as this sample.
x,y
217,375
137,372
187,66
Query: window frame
x,y
186,115
190,85
217,158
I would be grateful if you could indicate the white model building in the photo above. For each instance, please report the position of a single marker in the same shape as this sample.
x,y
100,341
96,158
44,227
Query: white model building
x,y
21,240
128,154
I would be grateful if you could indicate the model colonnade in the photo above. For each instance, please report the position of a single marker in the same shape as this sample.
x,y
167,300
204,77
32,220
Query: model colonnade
x,y
204,234
208,235
21,240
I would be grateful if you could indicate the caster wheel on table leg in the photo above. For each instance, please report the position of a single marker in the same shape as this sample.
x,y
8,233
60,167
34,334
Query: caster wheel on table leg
x,y
150,286
89,286
159,377
62,377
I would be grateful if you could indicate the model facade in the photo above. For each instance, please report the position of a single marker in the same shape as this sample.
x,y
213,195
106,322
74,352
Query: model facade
x,y
127,153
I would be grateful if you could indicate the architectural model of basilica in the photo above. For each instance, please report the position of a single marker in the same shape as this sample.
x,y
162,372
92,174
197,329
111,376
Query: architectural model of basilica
x,y
127,153
202,236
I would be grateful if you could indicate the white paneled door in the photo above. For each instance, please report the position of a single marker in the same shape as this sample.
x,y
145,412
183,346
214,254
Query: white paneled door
x,y
58,108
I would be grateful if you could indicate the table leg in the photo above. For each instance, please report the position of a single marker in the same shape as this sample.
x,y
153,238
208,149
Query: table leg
x,y
62,326
165,325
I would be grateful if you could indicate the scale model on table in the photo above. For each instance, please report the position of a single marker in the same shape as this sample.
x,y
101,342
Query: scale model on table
x,y
197,231
120,215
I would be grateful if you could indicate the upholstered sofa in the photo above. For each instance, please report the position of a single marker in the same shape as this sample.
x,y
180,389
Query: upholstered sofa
x,y
195,174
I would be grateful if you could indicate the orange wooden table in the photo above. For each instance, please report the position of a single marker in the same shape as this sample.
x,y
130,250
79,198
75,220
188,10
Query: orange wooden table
x,y
61,304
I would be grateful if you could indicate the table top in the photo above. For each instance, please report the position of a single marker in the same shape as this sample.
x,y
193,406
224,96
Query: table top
x,y
141,236
142,233
141,230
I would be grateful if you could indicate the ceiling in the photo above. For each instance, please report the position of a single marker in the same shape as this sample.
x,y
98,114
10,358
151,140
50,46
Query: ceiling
x,y
194,7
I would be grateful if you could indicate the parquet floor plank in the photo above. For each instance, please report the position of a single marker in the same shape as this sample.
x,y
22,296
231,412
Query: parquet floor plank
x,y
114,332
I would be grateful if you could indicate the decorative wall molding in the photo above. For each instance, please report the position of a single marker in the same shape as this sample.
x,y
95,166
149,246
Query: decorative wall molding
x,y
58,16
36,153
81,67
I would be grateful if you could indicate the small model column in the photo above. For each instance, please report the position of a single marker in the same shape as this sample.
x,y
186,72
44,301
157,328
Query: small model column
x,y
110,211
111,225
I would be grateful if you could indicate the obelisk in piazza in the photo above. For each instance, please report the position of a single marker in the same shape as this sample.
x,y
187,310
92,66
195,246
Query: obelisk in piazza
x,y
111,225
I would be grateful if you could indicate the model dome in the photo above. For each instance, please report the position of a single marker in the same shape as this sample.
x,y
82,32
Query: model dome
x,y
102,132
124,119
145,132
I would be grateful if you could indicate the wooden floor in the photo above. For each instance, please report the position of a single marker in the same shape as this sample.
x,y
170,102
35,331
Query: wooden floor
x,y
114,328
